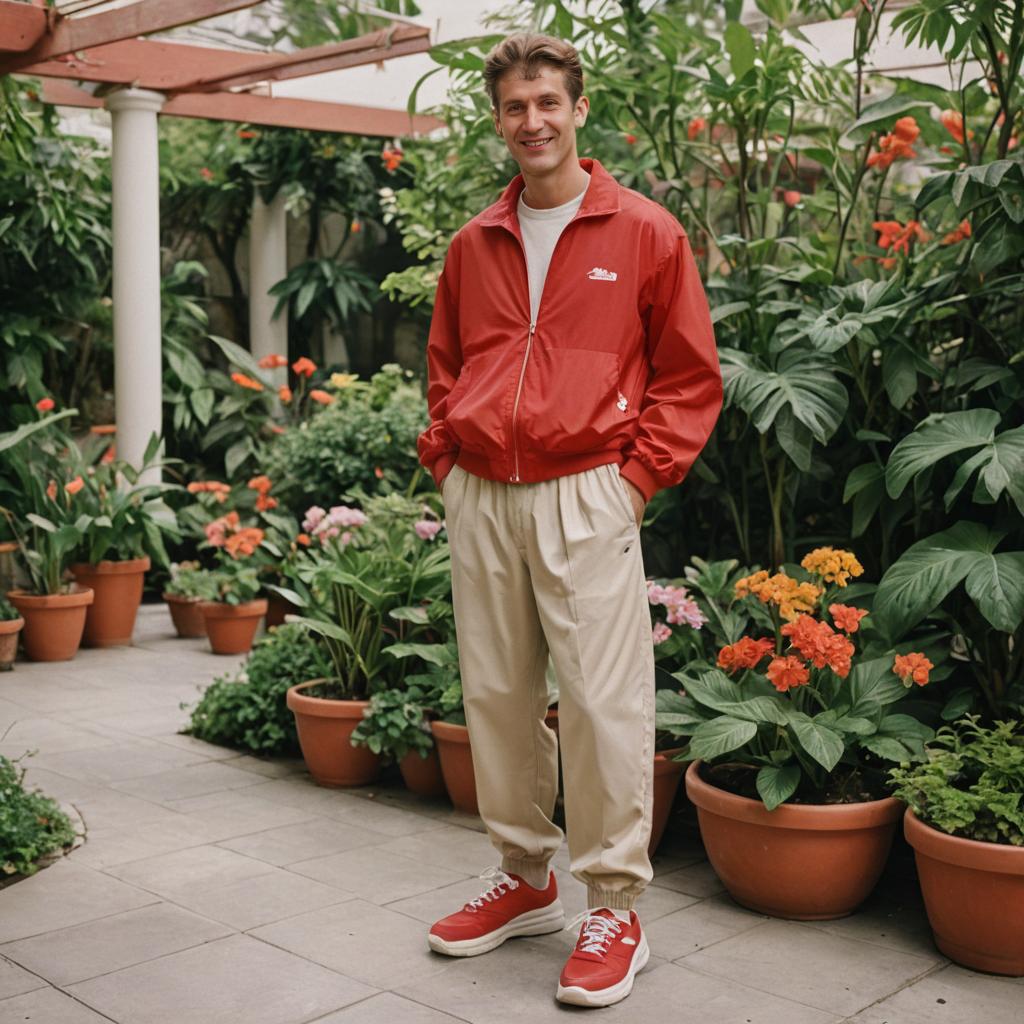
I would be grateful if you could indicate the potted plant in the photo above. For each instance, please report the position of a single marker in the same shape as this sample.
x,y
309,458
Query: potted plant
x,y
188,585
788,740
965,821
360,567
40,506
10,626
126,524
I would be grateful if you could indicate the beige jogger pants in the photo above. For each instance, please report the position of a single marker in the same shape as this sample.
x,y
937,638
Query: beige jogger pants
x,y
557,566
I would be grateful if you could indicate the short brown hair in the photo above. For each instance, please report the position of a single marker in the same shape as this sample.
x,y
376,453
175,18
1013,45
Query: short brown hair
x,y
525,52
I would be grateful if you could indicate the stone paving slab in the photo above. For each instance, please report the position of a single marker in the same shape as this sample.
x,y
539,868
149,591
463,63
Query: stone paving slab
x,y
214,887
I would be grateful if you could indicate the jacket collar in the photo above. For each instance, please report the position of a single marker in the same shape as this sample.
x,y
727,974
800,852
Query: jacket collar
x,y
602,196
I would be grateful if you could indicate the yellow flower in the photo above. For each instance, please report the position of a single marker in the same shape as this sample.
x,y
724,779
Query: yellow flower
x,y
791,597
343,380
832,565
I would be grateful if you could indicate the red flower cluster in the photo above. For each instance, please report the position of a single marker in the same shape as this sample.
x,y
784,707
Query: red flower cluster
x,y
912,667
244,542
244,381
786,672
217,531
962,231
745,653
45,404
695,127
846,617
273,361
897,237
392,158
321,396
820,644
218,490
304,367
953,122
261,485
896,145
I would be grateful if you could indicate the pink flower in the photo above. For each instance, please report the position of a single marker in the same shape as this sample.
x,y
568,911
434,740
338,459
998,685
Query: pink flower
x,y
660,633
314,517
345,515
427,529
682,609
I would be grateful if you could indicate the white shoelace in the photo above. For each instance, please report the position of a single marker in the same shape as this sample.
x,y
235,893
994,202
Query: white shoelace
x,y
500,882
597,932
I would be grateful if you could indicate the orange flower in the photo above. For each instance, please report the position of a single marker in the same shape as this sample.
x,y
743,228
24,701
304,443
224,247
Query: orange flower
x,y
695,127
962,231
246,382
378,472
791,197
745,653
45,404
832,565
273,361
912,667
846,617
896,145
74,486
217,531
355,227
791,597
264,503
244,133
897,237
244,542
785,673
284,393
304,367
820,644
275,429
953,122
303,539
321,396
206,173
392,158
630,139
51,490
260,483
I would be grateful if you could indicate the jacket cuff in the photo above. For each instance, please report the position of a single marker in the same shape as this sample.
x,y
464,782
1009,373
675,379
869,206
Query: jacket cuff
x,y
637,474
442,467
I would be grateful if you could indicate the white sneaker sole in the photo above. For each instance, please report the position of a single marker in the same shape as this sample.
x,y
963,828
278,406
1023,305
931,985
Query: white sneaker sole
x,y
534,922
607,996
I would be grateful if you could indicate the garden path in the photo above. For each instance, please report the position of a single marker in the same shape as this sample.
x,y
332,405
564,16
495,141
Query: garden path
x,y
210,887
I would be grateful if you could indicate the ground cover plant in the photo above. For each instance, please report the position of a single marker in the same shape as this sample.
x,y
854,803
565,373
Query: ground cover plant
x,y
31,824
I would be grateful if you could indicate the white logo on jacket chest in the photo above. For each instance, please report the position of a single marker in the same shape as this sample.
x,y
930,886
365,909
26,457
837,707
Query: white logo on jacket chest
x,y
600,274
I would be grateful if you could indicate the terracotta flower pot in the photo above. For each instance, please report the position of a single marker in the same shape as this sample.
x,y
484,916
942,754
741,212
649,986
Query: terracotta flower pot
x,y
974,895
110,620
185,614
325,730
667,776
277,608
422,775
9,630
53,622
231,627
806,862
456,765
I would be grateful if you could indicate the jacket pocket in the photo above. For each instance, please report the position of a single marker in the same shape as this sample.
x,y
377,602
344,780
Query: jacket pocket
x,y
477,404
572,402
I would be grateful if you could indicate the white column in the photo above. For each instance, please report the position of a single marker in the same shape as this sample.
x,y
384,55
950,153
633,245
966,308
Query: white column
x,y
136,289
268,264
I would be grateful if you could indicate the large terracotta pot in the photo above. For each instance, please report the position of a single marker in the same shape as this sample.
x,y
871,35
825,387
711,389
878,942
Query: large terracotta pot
x,y
806,862
53,622
9,630
232,627
110,620
185,614
325,730
422,775
974,895
456,764
667,776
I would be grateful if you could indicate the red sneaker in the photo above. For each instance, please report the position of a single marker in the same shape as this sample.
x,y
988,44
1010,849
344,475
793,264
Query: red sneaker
x,y
608,954
509,907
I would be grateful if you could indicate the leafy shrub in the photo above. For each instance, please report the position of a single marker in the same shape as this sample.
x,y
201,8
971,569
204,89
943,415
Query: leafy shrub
x,y
31,824
247,710
366,439
972,785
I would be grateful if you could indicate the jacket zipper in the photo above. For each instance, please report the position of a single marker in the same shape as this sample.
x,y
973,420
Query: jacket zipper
x,y
515,405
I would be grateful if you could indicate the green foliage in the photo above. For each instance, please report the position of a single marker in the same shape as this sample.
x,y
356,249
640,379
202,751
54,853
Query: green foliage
x,y
396,723
8,613
247,711
188,579
370,427
31,824
972,784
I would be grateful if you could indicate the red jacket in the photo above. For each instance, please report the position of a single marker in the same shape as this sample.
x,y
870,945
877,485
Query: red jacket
x,y
620,365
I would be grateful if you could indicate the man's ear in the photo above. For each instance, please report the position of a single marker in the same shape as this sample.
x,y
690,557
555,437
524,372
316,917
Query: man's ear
x,y
579,114
496,121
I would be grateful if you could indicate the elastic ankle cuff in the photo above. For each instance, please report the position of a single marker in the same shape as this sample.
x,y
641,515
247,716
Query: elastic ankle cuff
x,y
608,898
535,873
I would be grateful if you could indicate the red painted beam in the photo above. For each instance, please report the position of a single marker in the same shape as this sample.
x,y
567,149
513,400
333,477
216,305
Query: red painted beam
x,y
71,33
21,26
281,111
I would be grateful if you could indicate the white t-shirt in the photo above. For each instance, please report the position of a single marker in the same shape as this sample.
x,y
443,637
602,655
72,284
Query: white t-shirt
x,y
541,229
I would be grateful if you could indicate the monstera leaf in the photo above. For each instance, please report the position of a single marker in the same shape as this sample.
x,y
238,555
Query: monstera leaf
x,y
930,569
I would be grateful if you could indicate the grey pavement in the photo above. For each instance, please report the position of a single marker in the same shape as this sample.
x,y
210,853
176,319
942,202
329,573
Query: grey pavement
x,y
211,887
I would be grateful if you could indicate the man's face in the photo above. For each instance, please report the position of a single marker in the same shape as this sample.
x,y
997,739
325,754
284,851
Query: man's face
x,y
538,121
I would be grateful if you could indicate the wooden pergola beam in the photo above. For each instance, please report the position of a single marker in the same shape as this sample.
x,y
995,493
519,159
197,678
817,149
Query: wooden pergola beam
x,y
280,111
398,41
21,26
71,34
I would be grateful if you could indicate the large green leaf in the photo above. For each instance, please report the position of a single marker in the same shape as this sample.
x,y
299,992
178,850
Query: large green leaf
x,y
996,585
820,742
777,785
436,654
872,685
715,690
1000,466
721,736
936,439
15,437
740,45
921,579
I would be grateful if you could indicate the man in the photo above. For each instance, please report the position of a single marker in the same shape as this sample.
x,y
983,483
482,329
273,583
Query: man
x,y
572,373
